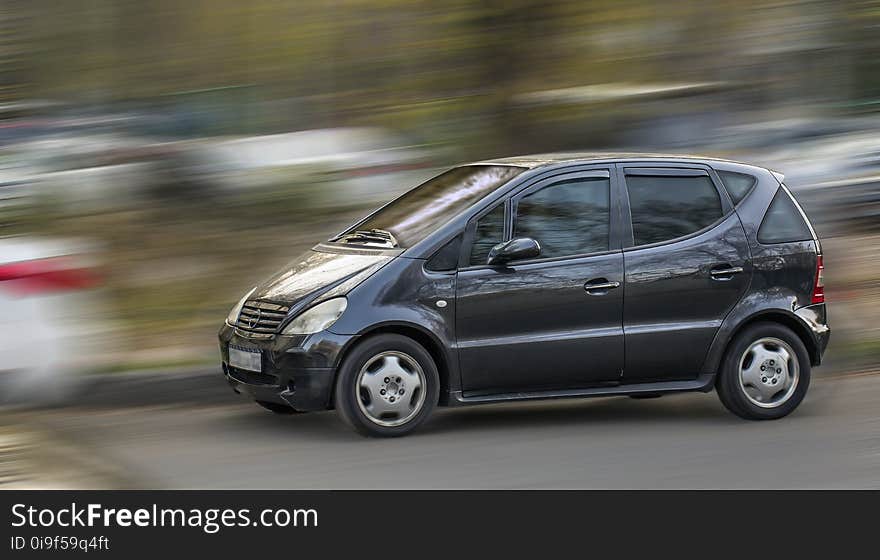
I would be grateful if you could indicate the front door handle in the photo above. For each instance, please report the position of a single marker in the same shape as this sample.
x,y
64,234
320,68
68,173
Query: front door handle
x,y
600,286
725,273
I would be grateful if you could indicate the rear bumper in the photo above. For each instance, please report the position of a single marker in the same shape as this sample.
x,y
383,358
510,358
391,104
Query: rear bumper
x,y
298,371
816,318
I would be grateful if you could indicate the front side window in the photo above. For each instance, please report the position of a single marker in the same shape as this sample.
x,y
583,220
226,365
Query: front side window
x,y
489,232
567,218
667,207
414,215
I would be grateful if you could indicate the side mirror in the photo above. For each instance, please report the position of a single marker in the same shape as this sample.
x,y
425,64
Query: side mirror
x,y
514,250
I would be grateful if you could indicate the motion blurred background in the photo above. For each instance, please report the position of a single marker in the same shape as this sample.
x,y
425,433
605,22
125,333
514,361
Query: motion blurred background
x,y
159,157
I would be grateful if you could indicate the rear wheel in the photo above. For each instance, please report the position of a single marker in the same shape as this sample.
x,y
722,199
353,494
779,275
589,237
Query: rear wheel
x,y
387,386
765,373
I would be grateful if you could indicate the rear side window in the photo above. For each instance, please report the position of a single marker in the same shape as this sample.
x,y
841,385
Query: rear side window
x,y
783,221
665,207
738,185
567,218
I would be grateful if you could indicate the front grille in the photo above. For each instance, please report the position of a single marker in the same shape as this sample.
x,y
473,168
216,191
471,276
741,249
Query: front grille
x,y
252,377
261,317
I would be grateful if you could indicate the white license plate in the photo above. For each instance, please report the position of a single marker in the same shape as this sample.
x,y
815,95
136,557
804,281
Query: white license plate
x,y
245,359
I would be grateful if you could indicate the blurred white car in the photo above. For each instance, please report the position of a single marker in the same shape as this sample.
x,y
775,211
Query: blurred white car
x,y
369,165
47,290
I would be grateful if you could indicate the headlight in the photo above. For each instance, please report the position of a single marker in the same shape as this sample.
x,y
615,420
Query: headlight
x,y
317,318
233,314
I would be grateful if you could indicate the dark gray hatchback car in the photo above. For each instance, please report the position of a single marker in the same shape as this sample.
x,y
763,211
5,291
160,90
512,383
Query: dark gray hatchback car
x,y
544,277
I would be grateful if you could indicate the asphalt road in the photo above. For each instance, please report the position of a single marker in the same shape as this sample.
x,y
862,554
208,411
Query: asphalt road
x,y
681,441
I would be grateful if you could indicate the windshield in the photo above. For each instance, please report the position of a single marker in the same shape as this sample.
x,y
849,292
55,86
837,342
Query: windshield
x,y
411,217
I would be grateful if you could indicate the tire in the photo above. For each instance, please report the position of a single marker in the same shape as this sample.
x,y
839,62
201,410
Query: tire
x,y
756,380
278,408
387,386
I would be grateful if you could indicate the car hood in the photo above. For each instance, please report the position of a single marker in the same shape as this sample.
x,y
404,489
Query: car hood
x,y
319,273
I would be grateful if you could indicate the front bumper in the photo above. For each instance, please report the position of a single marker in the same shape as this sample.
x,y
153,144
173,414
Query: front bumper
x,y
298,371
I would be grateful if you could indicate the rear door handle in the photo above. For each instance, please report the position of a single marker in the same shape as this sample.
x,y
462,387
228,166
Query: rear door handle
x,y
600,286
725,273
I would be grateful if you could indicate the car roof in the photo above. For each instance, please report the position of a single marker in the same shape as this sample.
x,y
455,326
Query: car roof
x,y
544,160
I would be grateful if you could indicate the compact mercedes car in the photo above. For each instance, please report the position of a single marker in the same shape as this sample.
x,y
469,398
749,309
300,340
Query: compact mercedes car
x,y
544,277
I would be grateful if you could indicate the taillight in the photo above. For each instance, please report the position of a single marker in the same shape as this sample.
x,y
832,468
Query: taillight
x,y
45,275
819,285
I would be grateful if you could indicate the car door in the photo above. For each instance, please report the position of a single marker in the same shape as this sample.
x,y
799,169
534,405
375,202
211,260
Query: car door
x,y
533,325
686,262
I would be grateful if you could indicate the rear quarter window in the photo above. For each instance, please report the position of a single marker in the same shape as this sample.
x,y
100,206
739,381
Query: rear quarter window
x,y
738,185
783,222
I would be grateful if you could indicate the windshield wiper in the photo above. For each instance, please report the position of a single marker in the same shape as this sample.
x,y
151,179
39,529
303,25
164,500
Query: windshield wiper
x,y
373,237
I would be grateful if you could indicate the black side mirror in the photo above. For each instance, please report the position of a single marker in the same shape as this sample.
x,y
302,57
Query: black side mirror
x,y
514,250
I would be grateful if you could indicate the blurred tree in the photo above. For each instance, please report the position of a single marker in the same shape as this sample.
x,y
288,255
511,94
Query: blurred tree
x,y
438,70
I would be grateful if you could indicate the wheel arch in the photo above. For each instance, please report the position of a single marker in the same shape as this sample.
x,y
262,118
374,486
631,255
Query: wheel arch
x,y
422,336
779,316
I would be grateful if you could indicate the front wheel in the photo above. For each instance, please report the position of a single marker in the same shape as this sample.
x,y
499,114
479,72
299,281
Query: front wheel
x,y
765,373
387,385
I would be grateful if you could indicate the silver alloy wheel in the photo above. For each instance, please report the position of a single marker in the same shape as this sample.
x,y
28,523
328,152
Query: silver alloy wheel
x,y
769,372
390,388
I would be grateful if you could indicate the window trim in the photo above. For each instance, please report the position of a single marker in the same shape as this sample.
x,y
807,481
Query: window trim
x,y
644,171
548,259
800,208
672,169
602,171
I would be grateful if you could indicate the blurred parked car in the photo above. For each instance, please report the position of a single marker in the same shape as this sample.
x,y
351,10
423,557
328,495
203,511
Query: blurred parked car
x,y
47,294
845,206
837,179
